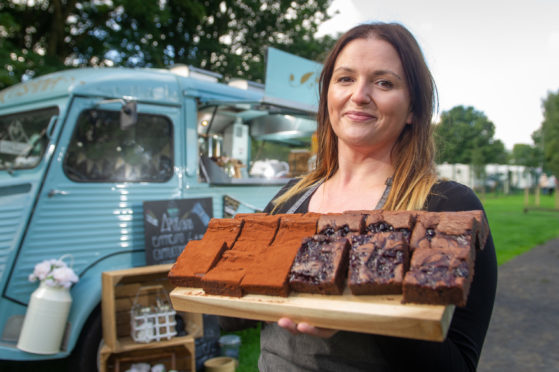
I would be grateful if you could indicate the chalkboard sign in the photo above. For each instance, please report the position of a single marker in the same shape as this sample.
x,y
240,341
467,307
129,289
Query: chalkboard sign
x,y
170,224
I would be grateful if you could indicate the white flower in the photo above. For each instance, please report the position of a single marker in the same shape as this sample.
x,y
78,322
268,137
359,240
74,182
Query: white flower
x,y
65,276
41,271
50,282
54,273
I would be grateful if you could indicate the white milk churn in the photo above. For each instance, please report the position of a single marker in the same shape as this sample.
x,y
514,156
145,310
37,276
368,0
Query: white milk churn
x,y
45,320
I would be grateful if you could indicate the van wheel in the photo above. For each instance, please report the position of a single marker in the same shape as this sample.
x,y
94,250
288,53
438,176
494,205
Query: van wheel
x,y
86,354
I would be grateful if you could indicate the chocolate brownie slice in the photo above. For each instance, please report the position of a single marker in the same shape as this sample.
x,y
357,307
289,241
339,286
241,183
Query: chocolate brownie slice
x,y
340,224
320,265
384,221
199,256
379,265
269,274
226,277
482,227
439,276
456,229
258,231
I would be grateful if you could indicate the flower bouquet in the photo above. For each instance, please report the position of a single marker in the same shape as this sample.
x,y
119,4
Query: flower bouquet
x,y
54,273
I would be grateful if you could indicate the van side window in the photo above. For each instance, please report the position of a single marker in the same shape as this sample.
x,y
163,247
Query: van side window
x,y
101,151
23,138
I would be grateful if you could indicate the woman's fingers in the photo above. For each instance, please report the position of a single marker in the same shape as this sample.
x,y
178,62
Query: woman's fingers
x,y
305,328
288,324
315,331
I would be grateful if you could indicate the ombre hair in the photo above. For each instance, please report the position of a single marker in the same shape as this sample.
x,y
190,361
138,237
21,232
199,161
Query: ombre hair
x,y
413,153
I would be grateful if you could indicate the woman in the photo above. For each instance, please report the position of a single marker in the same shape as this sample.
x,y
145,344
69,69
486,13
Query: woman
x,y
376,152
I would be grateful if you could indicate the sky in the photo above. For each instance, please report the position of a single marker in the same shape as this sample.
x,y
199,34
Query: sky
x,y
501,57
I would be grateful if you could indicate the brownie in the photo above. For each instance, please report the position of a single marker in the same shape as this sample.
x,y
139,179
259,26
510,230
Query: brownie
x,y
222,230
196,259
269,274
225,278
443,230
383,221
243,215
320,265
438,276
258,231
482,227
340,224
199,256
378,266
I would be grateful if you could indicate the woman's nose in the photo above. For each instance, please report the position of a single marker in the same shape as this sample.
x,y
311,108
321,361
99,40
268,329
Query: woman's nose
x,y
362,93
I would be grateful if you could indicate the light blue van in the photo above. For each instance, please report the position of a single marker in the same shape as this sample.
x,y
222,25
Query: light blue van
x,y
82,150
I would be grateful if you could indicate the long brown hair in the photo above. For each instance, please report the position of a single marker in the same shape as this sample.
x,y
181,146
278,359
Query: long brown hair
x,y
414,151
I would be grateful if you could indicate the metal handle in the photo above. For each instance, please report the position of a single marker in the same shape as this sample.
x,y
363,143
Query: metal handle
x,y
54,192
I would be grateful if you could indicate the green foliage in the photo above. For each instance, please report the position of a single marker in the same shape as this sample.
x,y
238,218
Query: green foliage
x,y
465,135
548,136
229,37
523,154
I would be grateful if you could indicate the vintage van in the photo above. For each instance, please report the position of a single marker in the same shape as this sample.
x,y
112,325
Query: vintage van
x,y
82,150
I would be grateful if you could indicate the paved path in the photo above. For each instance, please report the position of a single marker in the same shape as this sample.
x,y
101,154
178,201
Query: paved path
x,y
524,330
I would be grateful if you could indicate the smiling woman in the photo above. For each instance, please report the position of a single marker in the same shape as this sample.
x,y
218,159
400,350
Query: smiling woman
x,y
376,151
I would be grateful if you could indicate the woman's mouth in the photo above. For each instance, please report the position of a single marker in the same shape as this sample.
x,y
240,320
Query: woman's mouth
x,y
359,116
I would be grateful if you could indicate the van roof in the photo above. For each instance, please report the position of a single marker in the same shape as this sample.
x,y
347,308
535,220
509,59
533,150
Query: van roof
x,y
148,85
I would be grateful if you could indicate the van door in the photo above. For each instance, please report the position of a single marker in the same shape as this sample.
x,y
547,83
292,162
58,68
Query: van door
x,y
24,138
91,203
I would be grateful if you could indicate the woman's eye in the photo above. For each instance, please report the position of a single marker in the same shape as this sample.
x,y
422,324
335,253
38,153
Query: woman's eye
x,y
344,79
385,83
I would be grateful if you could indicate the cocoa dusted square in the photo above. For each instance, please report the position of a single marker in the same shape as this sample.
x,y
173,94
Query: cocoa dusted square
x,y
225,278
269,275
199,256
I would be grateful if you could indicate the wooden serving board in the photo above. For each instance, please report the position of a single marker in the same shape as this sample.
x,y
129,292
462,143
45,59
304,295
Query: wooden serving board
x,y
383,314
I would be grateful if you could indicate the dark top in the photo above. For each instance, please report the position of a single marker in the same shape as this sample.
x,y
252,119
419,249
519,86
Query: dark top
x,y
349,351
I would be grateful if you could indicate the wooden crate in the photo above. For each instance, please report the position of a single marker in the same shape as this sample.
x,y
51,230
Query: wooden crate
x,y
120,288
178,354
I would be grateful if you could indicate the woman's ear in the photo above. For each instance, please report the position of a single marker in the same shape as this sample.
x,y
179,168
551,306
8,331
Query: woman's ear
x,y
409,118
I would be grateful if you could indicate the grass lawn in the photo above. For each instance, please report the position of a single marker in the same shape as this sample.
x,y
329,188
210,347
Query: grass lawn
x,y
514,232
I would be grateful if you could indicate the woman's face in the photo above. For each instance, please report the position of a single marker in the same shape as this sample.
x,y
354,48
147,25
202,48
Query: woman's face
x,y
368,98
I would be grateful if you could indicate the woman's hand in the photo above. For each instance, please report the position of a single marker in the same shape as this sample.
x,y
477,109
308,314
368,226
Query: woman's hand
x,y
306,328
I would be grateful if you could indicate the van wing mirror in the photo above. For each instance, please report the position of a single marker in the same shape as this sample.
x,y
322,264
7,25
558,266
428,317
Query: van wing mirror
x,y
128,115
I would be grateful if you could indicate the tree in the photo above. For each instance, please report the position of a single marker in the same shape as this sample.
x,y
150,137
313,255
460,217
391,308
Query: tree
x,y
527,155
465,135
548,135
228,36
